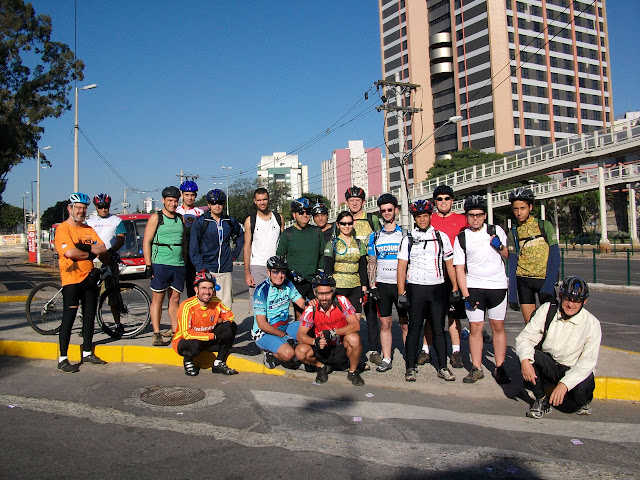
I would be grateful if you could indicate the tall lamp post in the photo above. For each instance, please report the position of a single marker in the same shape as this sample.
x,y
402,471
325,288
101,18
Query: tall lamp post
x,y
226,176
38,246
76,172
24,211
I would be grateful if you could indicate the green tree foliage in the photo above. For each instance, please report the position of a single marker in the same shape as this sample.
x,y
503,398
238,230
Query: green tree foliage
x,y
10,218
467,157
578,212
55,214
35,80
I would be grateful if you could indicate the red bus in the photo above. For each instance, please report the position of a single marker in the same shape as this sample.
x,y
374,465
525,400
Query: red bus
x,y
131,255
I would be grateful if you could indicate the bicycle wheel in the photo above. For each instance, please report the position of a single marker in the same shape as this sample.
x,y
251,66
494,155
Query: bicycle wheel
x,y
135,318
44,308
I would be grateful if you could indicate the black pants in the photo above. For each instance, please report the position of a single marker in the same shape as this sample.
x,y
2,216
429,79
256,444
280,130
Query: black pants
x,y
190,276
373,327
85,292
548,370
426,302
191,348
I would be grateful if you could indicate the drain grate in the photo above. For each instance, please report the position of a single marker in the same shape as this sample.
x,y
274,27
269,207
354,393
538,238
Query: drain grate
x,y
171,396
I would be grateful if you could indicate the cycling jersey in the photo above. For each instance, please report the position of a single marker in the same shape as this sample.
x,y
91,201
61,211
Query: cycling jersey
x,y
485,268
197,323
334,318
272,302
346,263
425,266
189,214
532,249
108,228
385,250
74,271
451,225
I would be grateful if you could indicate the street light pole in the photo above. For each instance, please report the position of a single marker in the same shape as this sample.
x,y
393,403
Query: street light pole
x,y
24,212
38,208
76,169
226,176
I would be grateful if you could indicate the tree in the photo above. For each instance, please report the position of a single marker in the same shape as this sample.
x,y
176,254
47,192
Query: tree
x,y
35,80
10,216
56,214
467,157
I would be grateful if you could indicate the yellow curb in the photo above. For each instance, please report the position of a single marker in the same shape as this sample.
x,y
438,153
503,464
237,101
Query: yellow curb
x,y
14,348
13,298
621,350
613,388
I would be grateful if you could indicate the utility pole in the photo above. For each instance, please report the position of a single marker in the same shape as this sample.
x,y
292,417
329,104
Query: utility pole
x,y
125,205
186,176
400,88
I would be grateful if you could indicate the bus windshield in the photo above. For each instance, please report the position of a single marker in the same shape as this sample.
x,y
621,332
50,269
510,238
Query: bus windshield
x,y
133,239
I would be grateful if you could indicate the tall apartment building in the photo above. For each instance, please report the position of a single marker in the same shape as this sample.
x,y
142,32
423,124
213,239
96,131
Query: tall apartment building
x,y
520,73
284,168
356,165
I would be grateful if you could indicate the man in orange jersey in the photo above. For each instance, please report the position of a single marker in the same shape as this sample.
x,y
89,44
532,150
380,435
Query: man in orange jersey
x,y
77,245
203,322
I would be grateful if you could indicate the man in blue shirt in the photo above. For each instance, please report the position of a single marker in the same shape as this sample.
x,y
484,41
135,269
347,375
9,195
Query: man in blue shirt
x,y
272,331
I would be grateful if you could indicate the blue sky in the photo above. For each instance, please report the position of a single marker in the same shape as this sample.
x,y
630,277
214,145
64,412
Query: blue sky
x,y
197,85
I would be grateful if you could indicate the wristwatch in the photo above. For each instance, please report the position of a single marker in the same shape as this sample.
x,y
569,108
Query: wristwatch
x,y
501,247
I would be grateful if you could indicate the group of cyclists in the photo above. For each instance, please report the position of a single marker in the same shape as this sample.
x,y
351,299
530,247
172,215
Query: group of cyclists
x,y
448,266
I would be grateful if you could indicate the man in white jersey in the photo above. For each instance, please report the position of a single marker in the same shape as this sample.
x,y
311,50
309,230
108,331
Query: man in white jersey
x,y
478,254
261,232
111,230
383,247
189,212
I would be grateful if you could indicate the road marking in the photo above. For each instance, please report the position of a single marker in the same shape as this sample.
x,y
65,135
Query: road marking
x,y
602,431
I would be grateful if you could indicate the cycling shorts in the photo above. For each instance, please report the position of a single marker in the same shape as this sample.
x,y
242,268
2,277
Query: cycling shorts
x,y
331,355
493,302
165,276
354,295
271,343
389,297
456,310
527,289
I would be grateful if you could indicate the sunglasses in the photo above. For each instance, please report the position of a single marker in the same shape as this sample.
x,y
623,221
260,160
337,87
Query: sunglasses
x,y
103,205
279,272
216,202
443,199
345,224
386,210
476,215
304,212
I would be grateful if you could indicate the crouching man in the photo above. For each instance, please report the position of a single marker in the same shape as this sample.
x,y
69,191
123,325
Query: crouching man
x,y
560,346
203,322
334,327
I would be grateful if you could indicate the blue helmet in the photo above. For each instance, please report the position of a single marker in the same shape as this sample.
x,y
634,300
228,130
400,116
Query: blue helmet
x,y
300,204
189,186
216,196
78,197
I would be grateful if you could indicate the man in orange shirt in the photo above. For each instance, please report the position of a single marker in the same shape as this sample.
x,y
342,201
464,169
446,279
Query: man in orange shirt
x,y
203,322
77,245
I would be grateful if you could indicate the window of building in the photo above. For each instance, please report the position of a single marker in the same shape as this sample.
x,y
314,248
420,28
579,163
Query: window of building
x,y
516,139
606,101
542,92
542,108
597,116
583,98
581,82
540,75
568,64
585,128
526,90
556,110
569,80
511,37
607,116
509,21
526,106
595,84
458,19
537,27
578,34
584,113
515,105
569,96
404,32
554,78
552,44
528,140
524,72
557,126
544,125
581,67
571,112
539,59
527,123
578,21
553,61
516,122
520,6
514,88
555,94
571,128
566,48
522,39
534,10
512,54
522,23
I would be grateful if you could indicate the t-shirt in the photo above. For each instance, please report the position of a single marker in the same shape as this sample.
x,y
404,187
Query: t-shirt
x,y
362,228
533,249
485,268
386,252
74,271
265,240
197,323
107,228
303,250
425,266
451,225
346,262
333,318
273,302
166,247
189,215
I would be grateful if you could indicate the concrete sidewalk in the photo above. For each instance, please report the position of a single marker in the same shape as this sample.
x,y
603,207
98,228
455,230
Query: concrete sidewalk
x,y
617,374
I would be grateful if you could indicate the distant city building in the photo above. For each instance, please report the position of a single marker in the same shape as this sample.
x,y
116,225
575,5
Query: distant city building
x,y
148,205
521,73
284,168
356,165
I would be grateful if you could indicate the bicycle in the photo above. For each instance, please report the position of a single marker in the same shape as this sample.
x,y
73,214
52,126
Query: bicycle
x,y
127,301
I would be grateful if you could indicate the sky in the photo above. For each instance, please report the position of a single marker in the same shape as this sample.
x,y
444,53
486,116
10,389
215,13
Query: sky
x,y
195,86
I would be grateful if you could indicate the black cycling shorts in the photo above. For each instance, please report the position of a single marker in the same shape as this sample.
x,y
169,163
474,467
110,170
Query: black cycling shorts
x,y
389,297
455,310
487,298
331,355
527,289
306,290
354,295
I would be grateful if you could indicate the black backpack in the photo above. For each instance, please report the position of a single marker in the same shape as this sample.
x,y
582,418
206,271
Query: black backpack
x,y
462,240
438,239
252,220
161,222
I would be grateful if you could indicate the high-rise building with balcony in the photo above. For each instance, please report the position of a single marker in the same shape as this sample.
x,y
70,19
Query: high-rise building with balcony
x,y
286,169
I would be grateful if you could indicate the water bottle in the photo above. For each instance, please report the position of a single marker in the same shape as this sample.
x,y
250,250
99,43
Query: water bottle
x,y
464,333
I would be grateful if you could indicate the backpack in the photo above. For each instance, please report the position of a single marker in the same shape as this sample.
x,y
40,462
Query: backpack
x,y
438,239
370,218
252,220
462,240
553,309
513,235
161,222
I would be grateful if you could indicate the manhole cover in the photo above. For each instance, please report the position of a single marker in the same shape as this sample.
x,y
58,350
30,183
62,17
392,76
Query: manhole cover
x,y
171,396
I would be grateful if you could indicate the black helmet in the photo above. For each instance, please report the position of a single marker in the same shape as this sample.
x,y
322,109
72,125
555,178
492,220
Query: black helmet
x,y
216,196
443,190
323,279
277,262
172,192
574,289
387,198
522,193
354,192
420,206
319,208
299,205
475,202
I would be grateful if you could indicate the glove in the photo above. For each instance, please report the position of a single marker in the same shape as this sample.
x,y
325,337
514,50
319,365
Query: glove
x,y
403,301
470,302
365,297
317,343
545,297
291,342
455,297
296,277
330,335
514,306
85,247
374,293
495,243
148,272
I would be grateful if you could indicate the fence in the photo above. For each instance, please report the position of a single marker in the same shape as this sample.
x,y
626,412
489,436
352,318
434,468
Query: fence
x,y
621,267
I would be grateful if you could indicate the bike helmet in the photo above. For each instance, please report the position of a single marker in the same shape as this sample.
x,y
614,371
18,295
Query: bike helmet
x,y
78,197
420,206
319,209
204,276
277,262
475,202
354,192
189,186
522,193
216,196
387,198
443,190
299,205
171,192
575,289
102,198
323,279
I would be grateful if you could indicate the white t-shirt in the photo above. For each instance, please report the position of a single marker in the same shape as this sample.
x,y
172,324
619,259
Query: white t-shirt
x,y
265,240
485,268
425,267
107,228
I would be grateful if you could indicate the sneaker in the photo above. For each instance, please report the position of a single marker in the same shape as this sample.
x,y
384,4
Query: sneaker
x,y
190,369
168,333
158,341
539,408
500,374
474,375
375,357
65,366
119,329
446,374
355,378
323,374
485,336
411,374
224,369
424,357
456,360
584,410
269,360
384,366
94,359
